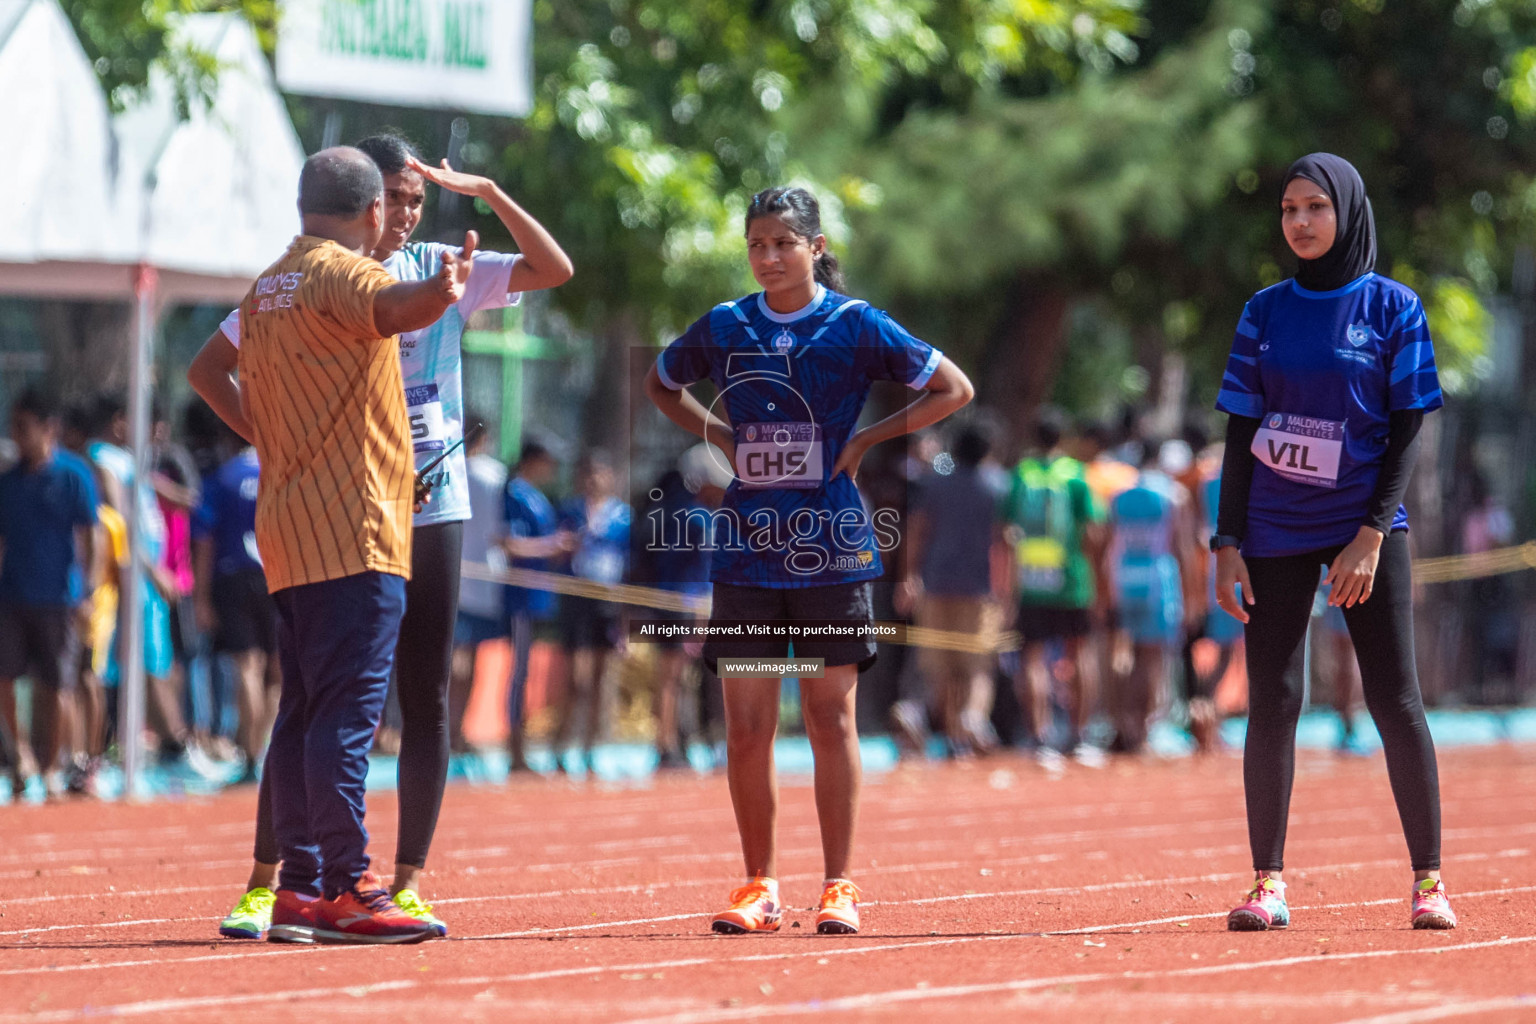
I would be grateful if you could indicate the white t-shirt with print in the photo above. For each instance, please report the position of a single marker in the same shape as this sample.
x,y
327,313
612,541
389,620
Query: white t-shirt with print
x,y
431,361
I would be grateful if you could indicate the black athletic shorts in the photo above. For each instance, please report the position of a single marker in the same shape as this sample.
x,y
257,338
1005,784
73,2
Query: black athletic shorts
x,y
842,604
38,643
247,616
588,625
1038,624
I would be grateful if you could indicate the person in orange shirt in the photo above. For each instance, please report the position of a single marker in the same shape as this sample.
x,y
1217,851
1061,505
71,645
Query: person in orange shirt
x,y
322,391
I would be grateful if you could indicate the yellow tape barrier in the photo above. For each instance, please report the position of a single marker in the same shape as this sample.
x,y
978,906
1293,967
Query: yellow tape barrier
x,y
1452,568
1447,569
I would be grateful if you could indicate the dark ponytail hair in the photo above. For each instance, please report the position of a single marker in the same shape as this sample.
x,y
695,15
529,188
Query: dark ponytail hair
x,y
389,150
800,212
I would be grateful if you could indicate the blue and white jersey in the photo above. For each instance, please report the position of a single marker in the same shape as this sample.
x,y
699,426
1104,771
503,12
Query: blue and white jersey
x,y
602,538
526,512
227,515
1144,518
431,361
792,386
1322,371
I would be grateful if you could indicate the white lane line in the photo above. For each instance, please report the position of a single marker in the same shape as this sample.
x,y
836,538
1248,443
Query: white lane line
x,y
96,924
649,887
1086,835
864,1001
872,1000
651,824
135,839
1460,1009
272,950
983,816
931,866
1090,929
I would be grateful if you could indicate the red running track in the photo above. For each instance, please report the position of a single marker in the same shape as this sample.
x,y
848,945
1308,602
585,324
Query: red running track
x,y
1093,896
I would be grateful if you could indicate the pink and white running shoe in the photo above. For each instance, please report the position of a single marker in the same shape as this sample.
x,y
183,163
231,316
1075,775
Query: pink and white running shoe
x,y
1431,906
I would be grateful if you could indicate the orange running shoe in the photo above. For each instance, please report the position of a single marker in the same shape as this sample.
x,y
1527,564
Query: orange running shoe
x,y
365,913
839,913
754,908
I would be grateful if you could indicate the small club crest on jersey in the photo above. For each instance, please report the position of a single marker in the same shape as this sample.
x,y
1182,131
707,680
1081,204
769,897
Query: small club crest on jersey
x,y
1358,334
783,341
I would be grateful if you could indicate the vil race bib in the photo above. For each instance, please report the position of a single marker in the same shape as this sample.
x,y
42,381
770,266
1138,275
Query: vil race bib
x,y
1301,448
779,455
428,432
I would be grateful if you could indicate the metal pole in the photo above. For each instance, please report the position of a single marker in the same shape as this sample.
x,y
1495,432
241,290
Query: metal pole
x,y
130,714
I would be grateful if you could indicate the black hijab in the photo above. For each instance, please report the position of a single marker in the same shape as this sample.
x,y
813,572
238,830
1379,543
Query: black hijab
x,y
1354,246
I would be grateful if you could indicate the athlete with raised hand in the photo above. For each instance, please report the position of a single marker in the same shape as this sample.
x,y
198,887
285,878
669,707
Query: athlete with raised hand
x,y
792,366
430,361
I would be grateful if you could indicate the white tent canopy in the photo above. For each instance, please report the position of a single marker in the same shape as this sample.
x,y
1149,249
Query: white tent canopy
x,y
209,201
69,195
220,187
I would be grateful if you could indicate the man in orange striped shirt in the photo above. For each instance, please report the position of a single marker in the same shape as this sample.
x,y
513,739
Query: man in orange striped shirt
x,y
321,386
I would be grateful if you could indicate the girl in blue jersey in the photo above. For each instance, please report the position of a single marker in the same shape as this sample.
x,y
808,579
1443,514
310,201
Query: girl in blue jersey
x,y
1330,377
791,366
430,365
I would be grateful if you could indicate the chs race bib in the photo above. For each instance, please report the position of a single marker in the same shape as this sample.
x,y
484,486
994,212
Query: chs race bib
x,y
779,455
428,432
1301,448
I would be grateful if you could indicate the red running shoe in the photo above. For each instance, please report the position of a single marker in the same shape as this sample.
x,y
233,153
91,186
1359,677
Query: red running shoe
x,y
293,917
366,914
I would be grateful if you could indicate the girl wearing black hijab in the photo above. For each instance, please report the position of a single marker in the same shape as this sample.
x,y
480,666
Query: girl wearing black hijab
x,y
1330,376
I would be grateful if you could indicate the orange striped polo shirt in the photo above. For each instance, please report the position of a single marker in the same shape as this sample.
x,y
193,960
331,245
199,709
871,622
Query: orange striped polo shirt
x,y
324,394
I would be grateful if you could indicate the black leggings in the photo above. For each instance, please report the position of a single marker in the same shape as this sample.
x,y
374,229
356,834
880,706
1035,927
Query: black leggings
x,y
1382,631
423,660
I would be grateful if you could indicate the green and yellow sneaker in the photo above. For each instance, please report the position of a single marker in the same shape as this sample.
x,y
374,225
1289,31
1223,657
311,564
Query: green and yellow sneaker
x,y
251,917
413,905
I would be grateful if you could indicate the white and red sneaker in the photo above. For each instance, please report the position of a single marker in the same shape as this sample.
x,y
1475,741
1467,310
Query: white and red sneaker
x,y
1431,906
366,914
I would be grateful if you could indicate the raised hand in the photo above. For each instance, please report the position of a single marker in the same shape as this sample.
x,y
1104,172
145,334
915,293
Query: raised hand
x,y
450,179
454,275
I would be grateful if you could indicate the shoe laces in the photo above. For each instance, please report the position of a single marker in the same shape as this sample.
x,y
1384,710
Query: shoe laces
x,y
840,894
1435,893
256,901
1265,888
749,894
413,905
376,900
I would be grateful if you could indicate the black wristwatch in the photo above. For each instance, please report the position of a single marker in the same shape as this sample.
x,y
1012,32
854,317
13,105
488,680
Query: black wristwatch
x,y
1220,540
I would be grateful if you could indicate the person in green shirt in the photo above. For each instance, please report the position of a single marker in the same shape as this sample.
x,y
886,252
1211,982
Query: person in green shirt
x,y
1055,528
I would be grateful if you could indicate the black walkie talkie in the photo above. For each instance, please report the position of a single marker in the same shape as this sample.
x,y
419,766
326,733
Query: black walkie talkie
x,y
426,480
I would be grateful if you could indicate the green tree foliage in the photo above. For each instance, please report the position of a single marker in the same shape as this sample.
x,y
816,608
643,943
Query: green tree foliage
x,y
1150,191
125,39
986,165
